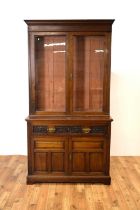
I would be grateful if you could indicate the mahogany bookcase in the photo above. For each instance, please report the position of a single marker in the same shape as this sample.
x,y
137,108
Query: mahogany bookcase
x,y
69,123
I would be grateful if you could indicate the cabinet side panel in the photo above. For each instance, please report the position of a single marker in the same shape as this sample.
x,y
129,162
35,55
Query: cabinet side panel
x,y
30,148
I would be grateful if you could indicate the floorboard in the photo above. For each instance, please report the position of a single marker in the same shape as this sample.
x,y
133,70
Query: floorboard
x,y
122,194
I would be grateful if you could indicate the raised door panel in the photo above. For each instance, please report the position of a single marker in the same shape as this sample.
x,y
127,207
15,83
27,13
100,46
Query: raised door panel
x,y
58,162
78,162
96,161
87,155
41,161
50,155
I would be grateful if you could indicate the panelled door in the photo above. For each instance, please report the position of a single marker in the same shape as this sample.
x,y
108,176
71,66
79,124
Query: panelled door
x,y
49,82
86,155
69,155
51,155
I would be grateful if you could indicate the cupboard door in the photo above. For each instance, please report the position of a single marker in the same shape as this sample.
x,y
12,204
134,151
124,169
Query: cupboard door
x,y
87,155
50,65
50,155
89,64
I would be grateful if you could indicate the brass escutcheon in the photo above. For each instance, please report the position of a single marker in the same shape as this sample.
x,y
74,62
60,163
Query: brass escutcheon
x,y
51,130
86,130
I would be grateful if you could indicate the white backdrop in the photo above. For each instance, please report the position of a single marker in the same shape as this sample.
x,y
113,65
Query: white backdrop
x,y
125,80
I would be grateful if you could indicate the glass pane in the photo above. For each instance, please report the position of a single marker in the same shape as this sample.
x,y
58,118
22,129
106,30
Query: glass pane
x,y
50,59
88,73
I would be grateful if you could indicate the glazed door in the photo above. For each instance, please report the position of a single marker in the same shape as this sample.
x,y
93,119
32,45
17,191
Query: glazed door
x,y
48,74
87,155
69,73
90,73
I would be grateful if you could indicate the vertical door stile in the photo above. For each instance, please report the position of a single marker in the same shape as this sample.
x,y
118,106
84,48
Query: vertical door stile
x,y
105,79
32,102
70,73
108,66
87,162
50,162
66,155
70,155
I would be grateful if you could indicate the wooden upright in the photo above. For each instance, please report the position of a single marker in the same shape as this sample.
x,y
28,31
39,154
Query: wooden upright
x,y
69,123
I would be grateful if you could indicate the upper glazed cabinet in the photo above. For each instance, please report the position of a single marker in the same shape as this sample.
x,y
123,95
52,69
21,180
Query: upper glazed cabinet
x,y
70,69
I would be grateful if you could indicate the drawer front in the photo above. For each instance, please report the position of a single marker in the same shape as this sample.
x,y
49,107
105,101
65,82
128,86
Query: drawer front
x,y
42,130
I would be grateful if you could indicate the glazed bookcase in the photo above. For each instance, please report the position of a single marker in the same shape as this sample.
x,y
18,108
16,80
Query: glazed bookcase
x,y
69,123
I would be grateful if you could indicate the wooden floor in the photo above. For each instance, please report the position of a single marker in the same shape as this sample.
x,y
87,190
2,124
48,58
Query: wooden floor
x,y
123,193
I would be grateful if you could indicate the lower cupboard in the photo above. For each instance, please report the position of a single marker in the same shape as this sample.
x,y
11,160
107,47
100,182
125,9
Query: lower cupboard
x,y
69,155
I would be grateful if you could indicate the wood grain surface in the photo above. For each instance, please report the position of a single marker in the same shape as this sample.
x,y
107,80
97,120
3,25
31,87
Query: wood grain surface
x,y
122,194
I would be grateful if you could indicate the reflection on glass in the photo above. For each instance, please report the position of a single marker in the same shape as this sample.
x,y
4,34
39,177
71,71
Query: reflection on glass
x,y
50,69
88,73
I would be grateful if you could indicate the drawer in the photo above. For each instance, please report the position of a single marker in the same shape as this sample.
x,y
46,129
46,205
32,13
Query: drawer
x,y
42,130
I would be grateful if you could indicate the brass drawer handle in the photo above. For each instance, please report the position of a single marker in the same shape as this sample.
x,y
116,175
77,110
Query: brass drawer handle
x,y
86,130
51,130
